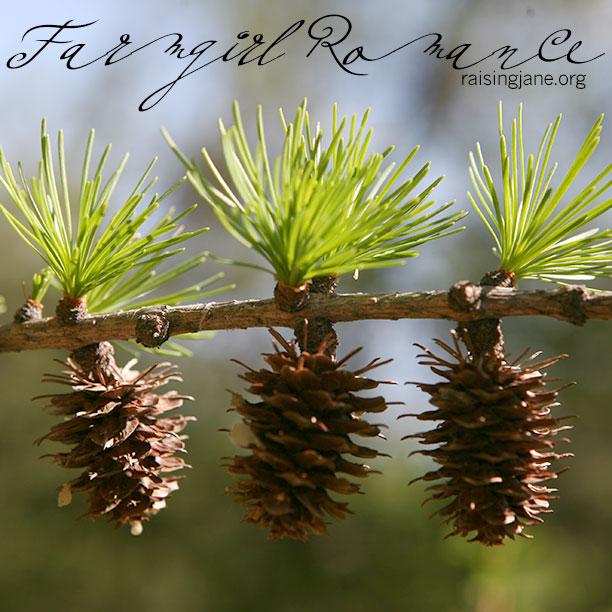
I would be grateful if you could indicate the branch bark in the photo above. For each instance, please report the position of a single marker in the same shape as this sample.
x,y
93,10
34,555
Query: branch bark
x,y
463,302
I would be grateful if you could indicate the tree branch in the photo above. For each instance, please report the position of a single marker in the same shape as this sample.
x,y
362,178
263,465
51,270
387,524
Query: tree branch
x,y
463,302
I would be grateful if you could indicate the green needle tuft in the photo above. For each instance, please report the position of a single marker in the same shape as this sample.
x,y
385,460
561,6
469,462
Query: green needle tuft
x,y
318,210
111,263
539,228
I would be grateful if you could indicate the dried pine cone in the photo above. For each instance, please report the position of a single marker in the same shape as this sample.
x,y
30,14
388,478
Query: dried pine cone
x,y
494,443
113,423
298,434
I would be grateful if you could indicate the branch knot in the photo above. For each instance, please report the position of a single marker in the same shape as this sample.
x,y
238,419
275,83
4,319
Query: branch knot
x,y
465,296
152,329
573,302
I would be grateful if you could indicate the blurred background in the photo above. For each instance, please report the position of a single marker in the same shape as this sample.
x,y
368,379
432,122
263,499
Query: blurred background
x,y
197,555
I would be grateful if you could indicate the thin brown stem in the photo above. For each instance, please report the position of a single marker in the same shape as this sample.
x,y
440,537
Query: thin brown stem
x,y
464,302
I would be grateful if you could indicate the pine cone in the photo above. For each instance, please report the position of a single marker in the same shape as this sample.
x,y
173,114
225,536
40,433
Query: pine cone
x,y
298,434
113,422
494,444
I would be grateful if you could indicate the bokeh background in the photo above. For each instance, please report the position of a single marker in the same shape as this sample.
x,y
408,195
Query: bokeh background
x,y
197,555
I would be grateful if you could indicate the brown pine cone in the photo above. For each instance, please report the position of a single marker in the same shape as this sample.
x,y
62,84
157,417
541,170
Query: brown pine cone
x,y
494,442
298,434
114,423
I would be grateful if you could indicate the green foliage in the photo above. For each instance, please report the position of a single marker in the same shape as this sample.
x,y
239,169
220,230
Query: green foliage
x,y
319,210
87,257
40,284
129,291
538,229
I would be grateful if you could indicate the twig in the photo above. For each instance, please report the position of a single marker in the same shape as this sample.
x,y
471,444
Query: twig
x,y
464,302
